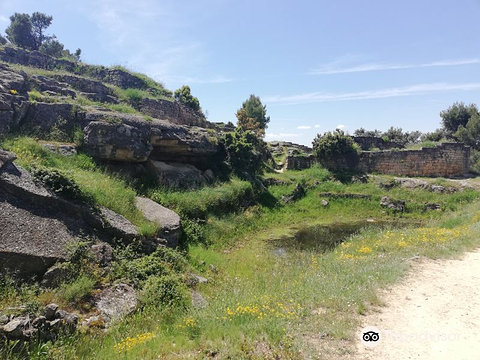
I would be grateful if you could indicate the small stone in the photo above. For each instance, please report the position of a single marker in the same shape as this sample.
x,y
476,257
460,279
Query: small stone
x,y
103,254
95,321
4,319
213,268
39,321
198,302
30,333
14,329
50,311
324,202
60,314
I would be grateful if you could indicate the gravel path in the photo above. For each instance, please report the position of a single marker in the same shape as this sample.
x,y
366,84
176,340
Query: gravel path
x,y
433,314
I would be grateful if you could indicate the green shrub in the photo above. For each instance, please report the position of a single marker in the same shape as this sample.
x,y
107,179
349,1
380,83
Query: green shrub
x,y
164,291
330,145
184,96
173,258
139,270
134,96
193,232
60,184
244,153
77,290
34,95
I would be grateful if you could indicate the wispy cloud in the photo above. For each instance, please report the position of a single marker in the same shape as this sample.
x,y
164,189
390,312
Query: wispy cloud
x,y
338,68
155,37
420,89
281,136
341,127
317,126
4,19
304,127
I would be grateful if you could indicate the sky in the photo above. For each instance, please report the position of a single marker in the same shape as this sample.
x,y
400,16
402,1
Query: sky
x,y
316,65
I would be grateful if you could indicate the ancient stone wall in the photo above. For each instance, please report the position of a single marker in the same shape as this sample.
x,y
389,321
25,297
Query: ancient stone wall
x,y
299,162
445,160
369,142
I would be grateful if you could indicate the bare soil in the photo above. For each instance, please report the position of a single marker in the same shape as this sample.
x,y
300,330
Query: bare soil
x,y
434,313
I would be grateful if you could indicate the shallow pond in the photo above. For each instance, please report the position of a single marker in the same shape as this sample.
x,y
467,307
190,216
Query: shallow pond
x,y
325,237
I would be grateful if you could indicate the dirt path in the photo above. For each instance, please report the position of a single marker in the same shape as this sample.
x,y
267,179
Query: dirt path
x,y
433,314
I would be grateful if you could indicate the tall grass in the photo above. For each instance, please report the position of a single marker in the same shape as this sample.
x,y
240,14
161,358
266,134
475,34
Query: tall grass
x,y
105,188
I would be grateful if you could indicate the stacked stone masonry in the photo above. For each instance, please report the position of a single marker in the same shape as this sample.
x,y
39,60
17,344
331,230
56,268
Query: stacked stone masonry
x,y
446,160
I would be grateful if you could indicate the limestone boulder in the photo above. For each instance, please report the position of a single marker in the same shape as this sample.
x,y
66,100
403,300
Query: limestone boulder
x,y
116,302
178,176
168,220
6,157
176,143
118,141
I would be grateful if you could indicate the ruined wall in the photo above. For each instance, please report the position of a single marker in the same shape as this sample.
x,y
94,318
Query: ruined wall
x,y
447,159
368,142
299,162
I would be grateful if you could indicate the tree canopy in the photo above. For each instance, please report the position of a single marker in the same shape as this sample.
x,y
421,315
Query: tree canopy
x,y
457,115
19,32
28,32
253,116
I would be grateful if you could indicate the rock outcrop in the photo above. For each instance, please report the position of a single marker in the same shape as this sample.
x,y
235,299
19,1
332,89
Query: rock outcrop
x,y
166,219
118,142
49,223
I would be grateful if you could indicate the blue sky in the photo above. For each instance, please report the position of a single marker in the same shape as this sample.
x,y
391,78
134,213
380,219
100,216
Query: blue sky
x,y
315,64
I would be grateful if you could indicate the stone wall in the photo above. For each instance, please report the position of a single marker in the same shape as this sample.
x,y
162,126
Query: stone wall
x,y
299,162
368,142
445,160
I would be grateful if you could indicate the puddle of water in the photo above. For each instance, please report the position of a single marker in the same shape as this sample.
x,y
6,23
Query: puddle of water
x,y
323,237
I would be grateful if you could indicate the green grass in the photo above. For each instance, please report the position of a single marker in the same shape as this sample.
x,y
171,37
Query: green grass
x,y
105,188
263,305
282,301
75,291
224,198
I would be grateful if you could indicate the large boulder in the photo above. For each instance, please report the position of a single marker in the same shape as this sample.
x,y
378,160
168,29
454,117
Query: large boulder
x,y
118,142
168,220
49,224
6,157
173,111
42,117
177,175
176,143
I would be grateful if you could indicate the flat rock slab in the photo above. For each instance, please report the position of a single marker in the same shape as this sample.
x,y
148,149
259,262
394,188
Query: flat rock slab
x,y
168,220
32,238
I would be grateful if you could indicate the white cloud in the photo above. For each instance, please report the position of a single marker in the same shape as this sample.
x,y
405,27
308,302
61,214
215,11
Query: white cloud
x,y
420,89
281,136
317,126
4,19
341,127
304,127
338,67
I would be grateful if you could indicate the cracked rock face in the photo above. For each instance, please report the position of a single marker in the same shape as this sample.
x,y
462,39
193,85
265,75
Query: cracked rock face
x,y
118,142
